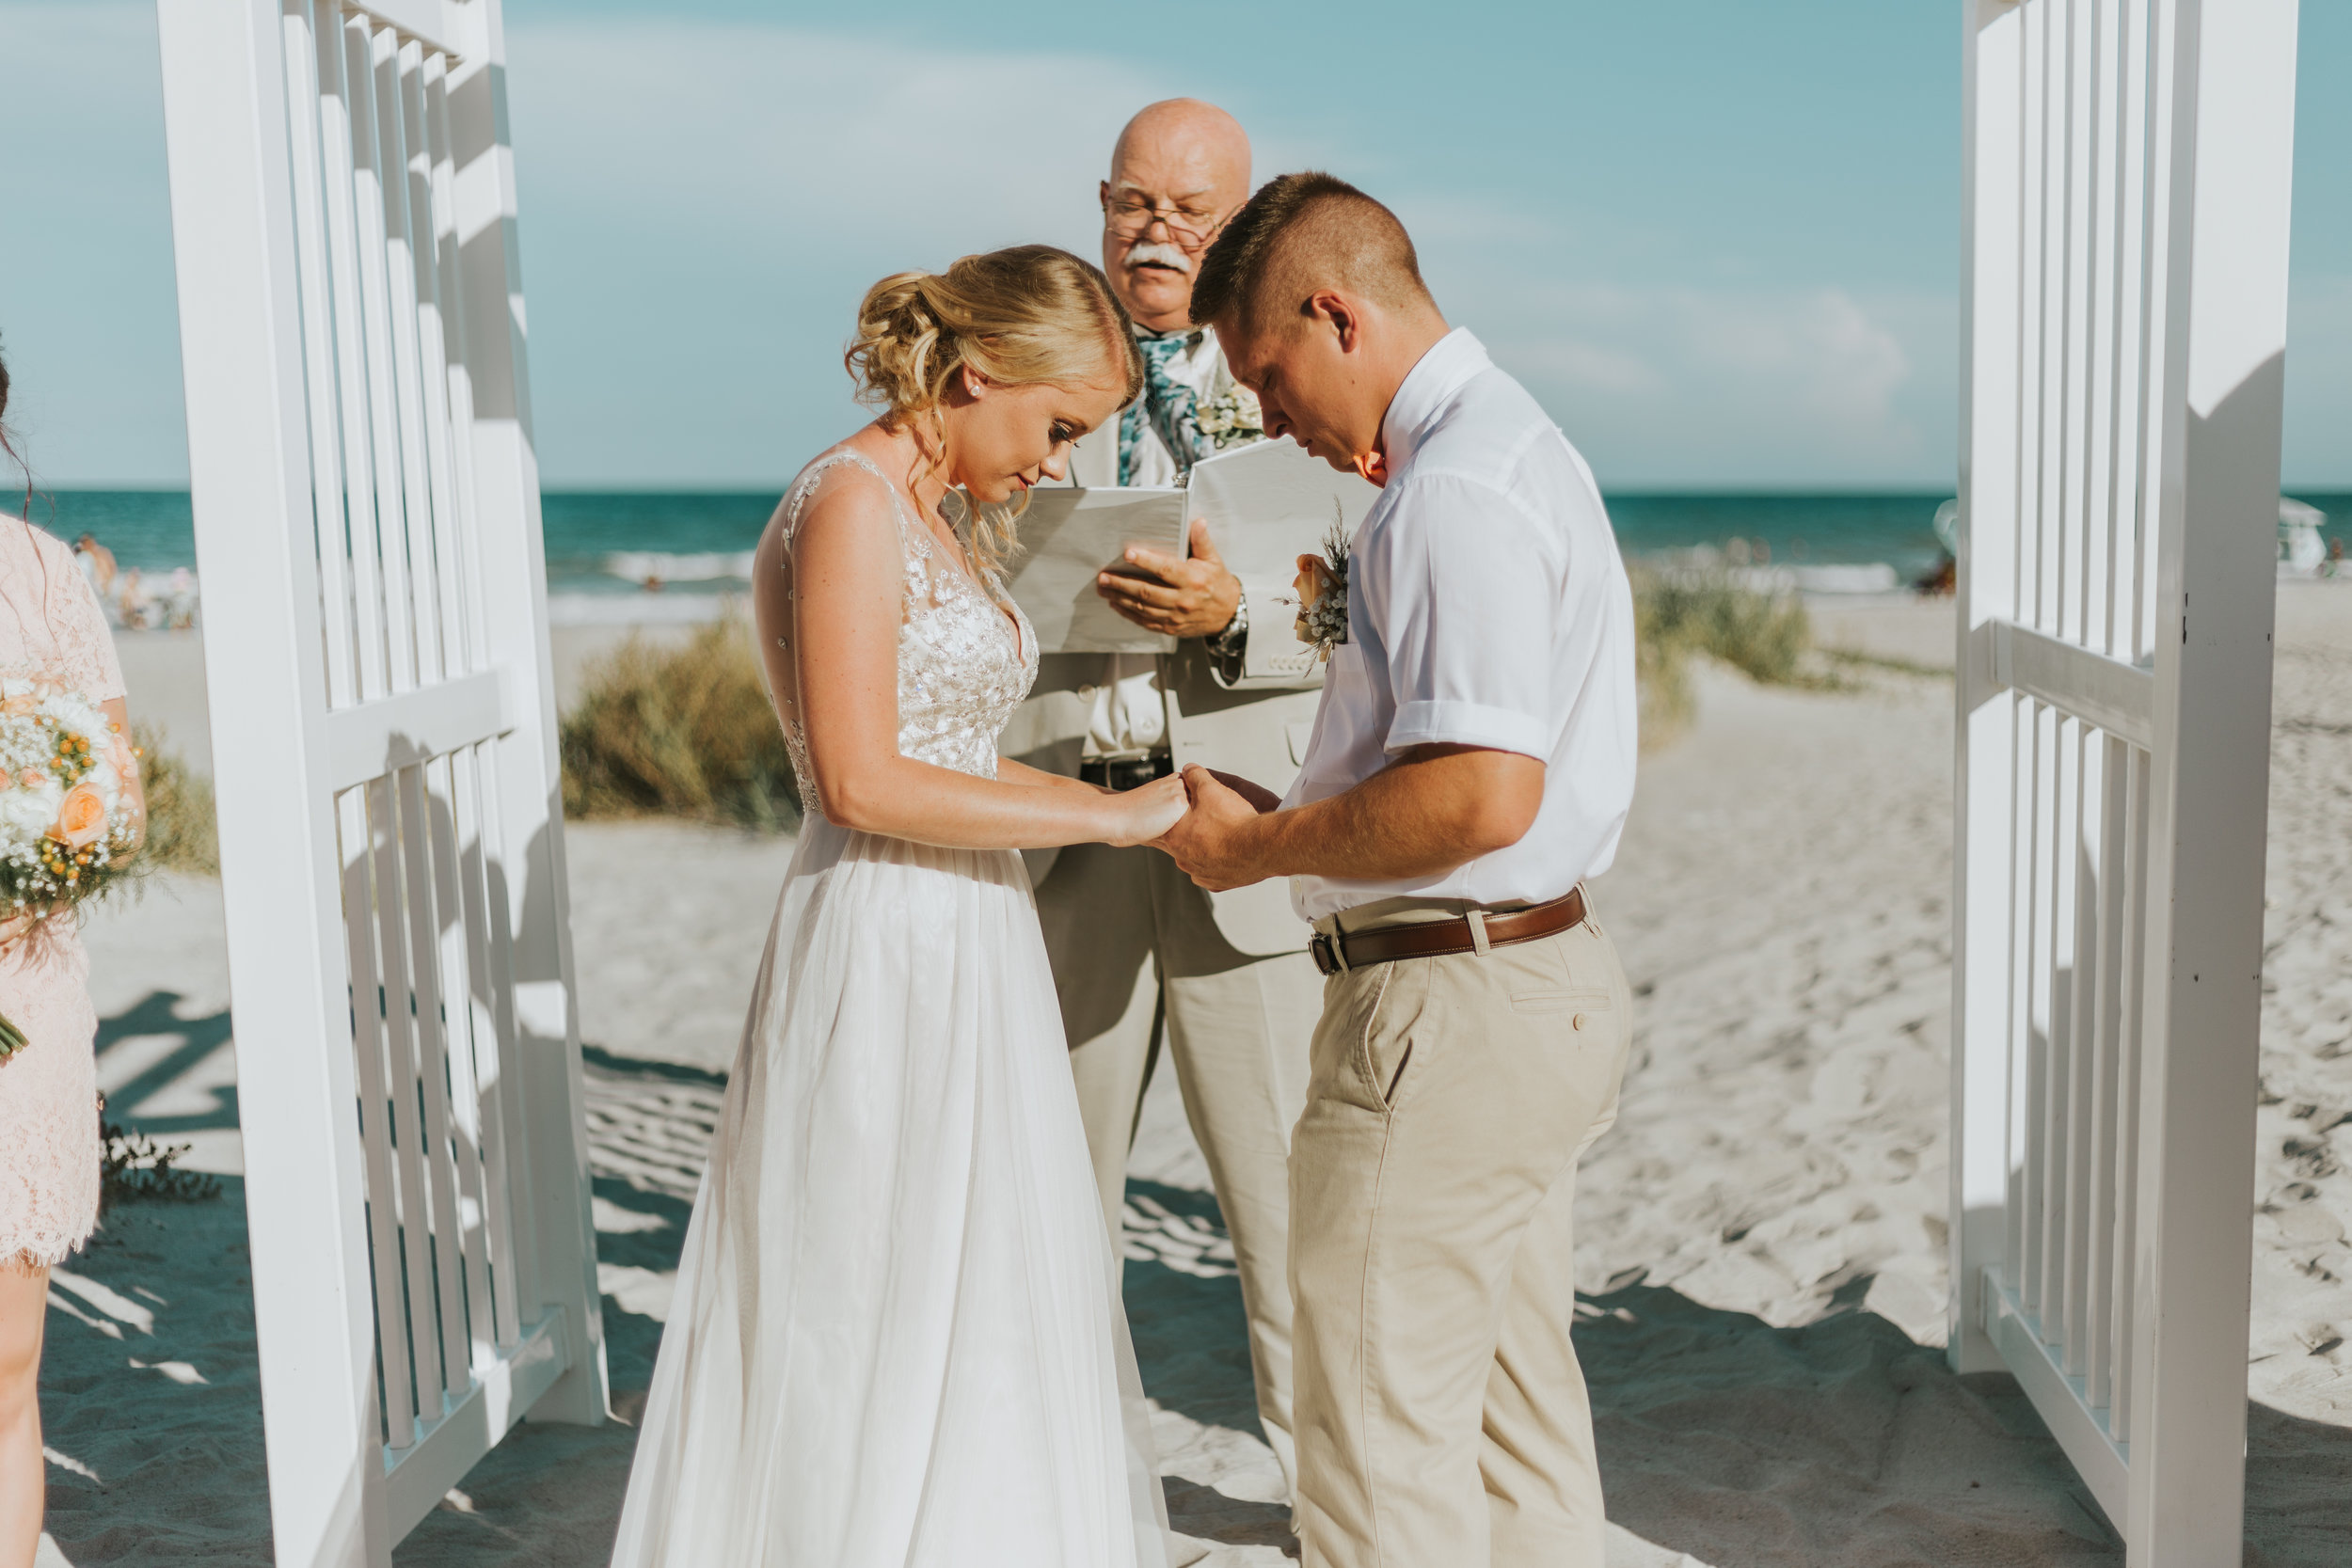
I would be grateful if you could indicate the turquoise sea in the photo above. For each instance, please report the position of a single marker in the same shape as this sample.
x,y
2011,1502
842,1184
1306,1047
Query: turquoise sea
x,y
610,542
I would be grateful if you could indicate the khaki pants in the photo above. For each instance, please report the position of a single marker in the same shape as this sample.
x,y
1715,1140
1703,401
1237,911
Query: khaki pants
x,y
1443,1420
1136,954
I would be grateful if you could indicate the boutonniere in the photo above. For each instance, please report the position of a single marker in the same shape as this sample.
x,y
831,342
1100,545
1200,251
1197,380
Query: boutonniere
x,y
1231,417
1322,589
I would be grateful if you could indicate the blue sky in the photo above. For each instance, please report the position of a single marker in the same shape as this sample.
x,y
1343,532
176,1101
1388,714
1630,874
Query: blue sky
x,y
1717,238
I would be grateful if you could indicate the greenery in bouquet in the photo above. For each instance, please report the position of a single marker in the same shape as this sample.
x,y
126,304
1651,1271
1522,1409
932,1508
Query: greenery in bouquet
x,y
68,825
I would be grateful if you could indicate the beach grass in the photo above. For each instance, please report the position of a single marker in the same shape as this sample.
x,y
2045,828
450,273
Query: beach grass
x,y
1766,637
682,730
181,834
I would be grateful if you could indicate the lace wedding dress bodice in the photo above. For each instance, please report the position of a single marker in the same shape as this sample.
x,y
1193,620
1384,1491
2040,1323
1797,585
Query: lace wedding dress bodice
x,y
964,666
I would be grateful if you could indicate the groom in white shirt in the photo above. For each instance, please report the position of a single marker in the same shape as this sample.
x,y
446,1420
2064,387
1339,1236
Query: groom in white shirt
x,y
1471,764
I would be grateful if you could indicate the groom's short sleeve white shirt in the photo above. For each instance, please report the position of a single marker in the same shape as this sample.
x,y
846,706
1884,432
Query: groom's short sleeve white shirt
x,y
1487,606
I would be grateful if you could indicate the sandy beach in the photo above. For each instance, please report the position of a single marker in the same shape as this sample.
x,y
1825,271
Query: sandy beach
x,y
1762,1235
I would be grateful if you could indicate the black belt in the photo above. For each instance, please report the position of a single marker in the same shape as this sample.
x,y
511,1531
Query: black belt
x,y
1127,773
1435,938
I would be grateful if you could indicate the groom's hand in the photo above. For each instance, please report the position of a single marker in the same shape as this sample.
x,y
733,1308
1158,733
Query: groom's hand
x,y
1189,596
1216,843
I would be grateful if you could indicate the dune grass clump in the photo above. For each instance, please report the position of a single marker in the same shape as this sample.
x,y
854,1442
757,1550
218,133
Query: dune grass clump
x,y
181,834
679,730
1764,636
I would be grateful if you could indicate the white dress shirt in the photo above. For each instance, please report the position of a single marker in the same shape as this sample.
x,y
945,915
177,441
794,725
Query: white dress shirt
x,y
1488,607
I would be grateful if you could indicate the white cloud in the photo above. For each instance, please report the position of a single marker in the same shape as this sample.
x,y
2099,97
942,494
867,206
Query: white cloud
x,y
1662,376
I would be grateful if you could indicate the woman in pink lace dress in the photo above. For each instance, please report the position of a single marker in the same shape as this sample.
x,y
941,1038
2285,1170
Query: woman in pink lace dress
x,y
50,630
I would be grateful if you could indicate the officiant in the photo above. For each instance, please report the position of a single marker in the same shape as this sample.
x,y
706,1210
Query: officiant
x,y
1148,965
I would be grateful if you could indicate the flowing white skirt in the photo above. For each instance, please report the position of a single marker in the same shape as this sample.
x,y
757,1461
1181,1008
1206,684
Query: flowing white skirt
x,y
897,1339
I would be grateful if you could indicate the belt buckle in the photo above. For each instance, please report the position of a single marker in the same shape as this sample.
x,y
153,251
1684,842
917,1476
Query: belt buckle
x,y
1325,954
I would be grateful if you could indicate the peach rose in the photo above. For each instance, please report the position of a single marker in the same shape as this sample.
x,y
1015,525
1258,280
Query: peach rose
x,y
82,817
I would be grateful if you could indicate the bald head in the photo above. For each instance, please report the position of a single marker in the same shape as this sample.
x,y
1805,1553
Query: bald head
x,y
1178,170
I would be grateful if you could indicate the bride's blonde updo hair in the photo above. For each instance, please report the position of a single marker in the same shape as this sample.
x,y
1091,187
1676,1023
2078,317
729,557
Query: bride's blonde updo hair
x,y
1028,314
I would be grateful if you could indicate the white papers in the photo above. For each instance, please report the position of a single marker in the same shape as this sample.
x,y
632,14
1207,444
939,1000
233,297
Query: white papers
x,y
1066,537
1267,504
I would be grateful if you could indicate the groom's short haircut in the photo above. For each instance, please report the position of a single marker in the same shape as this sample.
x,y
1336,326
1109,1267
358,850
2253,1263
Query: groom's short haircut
x,y
1300,233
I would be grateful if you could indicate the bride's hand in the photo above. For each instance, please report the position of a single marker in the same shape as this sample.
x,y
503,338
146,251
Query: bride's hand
x,y
1143,814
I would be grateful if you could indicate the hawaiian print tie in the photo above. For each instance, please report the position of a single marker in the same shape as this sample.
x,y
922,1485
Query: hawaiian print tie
x,y
1169,406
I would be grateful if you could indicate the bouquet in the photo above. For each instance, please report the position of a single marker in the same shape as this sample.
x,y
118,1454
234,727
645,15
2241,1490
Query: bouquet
x,y
1322,587
68,823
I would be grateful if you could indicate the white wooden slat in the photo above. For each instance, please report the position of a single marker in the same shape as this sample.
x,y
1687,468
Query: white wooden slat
x,y
369,1053
2056,954
2104,692
307,168
2033,1281
2126,1313
2097,1334
393,71
385,549
414,1374
339,126
463,1018
2074,22
2083,1054
440,564
453,1346
378,739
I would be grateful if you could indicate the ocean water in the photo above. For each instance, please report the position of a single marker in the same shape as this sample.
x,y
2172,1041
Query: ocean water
x,y
610,541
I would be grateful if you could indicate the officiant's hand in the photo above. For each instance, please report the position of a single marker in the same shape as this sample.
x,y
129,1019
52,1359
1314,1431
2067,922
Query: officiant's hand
x,y
1195,596
1215,843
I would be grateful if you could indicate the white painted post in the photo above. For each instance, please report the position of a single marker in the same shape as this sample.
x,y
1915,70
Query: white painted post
x,y
250,473
514,580
2232,134
1985,735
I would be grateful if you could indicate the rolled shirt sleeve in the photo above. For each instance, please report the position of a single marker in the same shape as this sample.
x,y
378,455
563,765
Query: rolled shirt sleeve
x,y
1468,591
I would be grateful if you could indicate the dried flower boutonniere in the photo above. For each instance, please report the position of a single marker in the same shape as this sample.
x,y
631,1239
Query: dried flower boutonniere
x,y
1322,587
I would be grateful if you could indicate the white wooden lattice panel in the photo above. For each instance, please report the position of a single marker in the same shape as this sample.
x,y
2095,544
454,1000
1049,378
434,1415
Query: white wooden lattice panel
x,y
2125,251
367,521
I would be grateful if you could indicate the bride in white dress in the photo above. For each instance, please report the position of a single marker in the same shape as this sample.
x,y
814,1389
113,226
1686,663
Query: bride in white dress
x,y
897,1339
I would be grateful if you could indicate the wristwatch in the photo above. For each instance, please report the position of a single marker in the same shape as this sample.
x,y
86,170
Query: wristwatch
x,y
1231,643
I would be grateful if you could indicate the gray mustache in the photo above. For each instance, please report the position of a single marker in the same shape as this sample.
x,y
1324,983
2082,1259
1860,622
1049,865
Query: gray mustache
x,y
1166,255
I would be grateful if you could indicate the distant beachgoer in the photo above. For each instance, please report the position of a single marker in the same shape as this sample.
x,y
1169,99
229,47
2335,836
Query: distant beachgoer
x,y
49,1146
179,600
132,601
97,561
652,582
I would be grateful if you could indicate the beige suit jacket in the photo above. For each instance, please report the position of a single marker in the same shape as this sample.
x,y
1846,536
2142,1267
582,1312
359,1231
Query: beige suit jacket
x,y
1255,728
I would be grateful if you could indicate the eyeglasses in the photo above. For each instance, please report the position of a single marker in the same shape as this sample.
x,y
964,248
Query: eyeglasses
x,y
1128,216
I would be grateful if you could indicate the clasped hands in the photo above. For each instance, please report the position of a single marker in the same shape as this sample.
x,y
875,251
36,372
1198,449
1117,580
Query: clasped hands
x,y
1212,834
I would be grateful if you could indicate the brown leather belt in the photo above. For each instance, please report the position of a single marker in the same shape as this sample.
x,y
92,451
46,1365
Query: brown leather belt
x,y
1336,953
